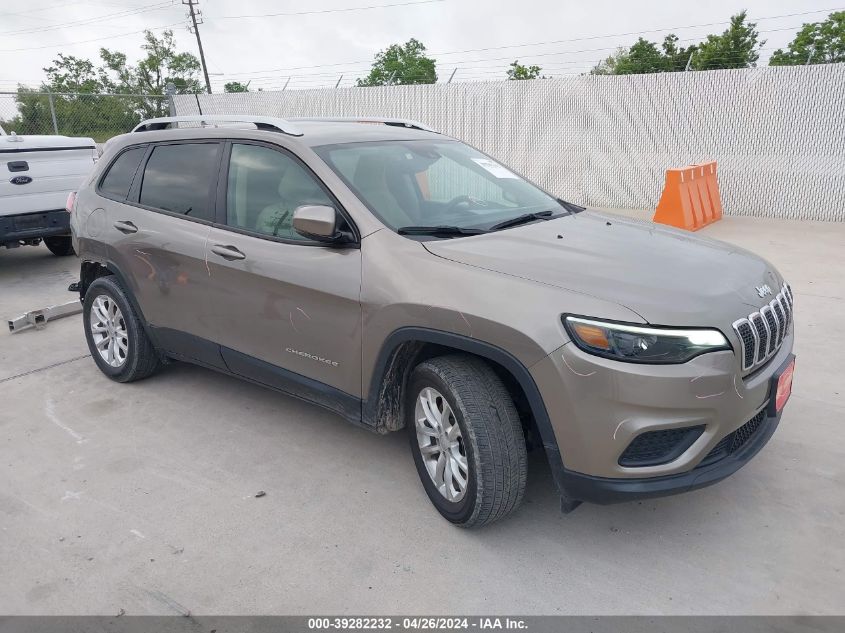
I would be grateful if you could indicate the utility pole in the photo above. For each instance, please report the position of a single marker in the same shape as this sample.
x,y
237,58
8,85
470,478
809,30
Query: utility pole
x,y
195,30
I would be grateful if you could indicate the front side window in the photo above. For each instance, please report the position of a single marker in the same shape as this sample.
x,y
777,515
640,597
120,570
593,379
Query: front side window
x,y
265,186
118,180
179,179
434,184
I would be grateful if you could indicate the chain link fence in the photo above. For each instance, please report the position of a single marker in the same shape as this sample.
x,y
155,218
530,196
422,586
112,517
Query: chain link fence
x,y
72,114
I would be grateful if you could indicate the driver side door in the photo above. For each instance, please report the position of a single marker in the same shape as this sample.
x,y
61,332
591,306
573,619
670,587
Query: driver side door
x,y
285,309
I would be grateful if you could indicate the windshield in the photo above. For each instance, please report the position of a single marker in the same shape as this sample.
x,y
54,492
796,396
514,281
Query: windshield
x,y
415,185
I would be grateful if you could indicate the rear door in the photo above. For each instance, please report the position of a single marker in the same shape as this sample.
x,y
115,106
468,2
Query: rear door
x,y
274,296
157,237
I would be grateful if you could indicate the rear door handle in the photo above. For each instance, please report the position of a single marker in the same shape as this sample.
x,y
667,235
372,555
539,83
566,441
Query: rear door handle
x,y
227,252
125,226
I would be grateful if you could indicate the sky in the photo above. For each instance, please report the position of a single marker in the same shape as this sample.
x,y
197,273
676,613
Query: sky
x,y
315,43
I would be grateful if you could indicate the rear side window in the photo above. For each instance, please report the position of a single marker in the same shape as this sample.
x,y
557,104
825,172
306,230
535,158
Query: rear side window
x,y
179,179
118,179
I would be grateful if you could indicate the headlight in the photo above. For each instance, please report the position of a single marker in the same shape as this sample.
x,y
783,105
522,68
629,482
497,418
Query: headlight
x,y
642,344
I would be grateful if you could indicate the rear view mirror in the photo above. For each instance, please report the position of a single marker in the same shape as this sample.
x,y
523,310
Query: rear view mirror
x,y
317,222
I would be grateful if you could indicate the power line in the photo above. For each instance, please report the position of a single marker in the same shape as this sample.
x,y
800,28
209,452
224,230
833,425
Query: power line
x,y
96,39
532,56
553,67
630,33
672,28
86,21
345,10
47,8
314,81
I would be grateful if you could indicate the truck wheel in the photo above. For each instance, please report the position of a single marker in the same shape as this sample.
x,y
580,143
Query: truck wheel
x,y
467,440
60,245
116,338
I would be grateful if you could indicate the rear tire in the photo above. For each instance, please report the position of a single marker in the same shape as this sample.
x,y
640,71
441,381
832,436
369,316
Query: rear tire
x,y
116,338
60,245
459,413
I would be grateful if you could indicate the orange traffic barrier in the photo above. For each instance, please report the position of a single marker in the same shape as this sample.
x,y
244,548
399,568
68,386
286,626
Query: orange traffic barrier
x,y
690,197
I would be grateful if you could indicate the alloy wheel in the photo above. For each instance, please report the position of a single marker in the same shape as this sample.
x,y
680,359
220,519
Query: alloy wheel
x,y
441,444
108,331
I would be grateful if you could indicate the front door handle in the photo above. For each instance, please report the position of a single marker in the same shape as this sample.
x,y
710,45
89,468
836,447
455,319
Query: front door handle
x,y
227,252
125,227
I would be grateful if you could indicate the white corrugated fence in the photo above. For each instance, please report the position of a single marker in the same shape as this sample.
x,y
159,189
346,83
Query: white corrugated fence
x,y
778,133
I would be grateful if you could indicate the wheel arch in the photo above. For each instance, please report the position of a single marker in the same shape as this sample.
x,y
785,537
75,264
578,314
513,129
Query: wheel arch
x,y
91,270
407,347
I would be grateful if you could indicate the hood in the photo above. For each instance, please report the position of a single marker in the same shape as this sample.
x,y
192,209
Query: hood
x,y
667,276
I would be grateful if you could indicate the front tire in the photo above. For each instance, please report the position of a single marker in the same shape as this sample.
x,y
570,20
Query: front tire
x,y
115,335
60,245
467,440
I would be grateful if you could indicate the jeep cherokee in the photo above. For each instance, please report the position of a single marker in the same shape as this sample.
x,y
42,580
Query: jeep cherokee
x,y
401,278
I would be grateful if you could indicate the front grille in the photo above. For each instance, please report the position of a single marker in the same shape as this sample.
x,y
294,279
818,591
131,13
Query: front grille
x,y
732,442
766,311
761,333
659,447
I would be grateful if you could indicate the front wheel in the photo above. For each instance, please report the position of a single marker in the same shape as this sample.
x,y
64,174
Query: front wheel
x,y
60,245
467,440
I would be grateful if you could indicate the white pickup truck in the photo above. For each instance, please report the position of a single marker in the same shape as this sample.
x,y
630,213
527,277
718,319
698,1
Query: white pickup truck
x,y
37,174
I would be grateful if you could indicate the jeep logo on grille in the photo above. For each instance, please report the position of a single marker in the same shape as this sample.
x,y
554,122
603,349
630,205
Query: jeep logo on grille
x,y
763,291
21,180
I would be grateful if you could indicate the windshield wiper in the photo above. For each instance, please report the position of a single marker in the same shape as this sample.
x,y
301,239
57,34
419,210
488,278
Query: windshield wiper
x,y
521,219
438,230
571,207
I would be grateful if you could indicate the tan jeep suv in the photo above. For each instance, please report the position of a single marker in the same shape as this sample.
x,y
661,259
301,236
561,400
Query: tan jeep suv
x,y
401,278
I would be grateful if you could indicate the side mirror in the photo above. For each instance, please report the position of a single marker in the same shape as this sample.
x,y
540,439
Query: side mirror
x,y
317,222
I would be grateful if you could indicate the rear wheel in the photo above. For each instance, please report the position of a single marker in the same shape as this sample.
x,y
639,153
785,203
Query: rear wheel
x,y
60,245
467,440
115,336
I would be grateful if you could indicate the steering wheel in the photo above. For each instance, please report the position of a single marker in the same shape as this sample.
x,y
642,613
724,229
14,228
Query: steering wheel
x,y
452,205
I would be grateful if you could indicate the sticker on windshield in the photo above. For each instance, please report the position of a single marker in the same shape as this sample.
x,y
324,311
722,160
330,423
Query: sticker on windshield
x,y
494,168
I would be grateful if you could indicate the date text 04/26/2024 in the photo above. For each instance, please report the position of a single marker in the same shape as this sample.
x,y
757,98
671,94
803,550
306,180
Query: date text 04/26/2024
x,y
415,623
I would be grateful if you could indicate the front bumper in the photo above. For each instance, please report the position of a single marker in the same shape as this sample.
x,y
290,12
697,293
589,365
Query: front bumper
x,y
604,490
29,226
597,407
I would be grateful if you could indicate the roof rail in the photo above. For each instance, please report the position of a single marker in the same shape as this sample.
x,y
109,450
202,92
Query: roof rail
x,y
270,124
409,123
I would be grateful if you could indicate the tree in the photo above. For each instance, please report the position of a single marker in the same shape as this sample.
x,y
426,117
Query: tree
x,y
90,102
72,74
33,114
645,57
161,66
676,58
642,57
518,71
236,86
816,43
737,47
401,64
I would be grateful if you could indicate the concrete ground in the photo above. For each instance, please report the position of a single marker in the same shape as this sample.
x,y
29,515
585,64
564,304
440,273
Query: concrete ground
x,y
141,497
